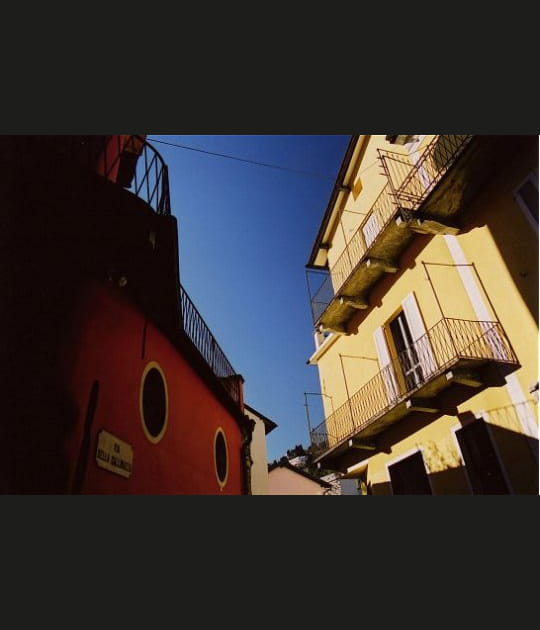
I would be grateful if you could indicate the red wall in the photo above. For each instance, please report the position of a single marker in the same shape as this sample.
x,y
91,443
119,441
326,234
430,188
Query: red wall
x,y
108,337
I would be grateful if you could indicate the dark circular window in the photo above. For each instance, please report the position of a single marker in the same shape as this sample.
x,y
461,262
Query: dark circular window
x,y
154,403
221,458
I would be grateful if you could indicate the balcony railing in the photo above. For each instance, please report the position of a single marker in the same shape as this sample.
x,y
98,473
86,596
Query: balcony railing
x,y
443,346
409,185
127,160
198,332
380,214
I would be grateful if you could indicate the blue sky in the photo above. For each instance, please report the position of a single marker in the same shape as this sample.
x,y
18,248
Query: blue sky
x,y
245,234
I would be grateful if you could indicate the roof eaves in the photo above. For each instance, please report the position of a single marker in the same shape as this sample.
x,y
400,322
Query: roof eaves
x,y
333,197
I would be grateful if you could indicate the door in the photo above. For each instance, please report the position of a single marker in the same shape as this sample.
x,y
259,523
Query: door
x,y
406,353
481,460
409,476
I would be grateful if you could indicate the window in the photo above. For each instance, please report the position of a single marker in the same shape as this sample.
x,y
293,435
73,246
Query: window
x,y
409,476
221,458
481,460
153,402
526,196
357,189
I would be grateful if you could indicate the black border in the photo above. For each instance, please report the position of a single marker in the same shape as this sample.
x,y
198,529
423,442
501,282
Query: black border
x,y
461,544
437,90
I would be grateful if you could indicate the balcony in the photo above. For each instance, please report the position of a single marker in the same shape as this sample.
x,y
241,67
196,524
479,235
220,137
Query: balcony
x,y
196,329
126,160
411,183
397,214
452,351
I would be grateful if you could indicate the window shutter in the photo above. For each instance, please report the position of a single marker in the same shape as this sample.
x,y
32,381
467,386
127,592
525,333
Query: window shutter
x,y
418,332
371,229
388,375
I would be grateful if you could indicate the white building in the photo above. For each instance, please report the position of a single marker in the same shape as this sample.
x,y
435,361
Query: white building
x,y
259,467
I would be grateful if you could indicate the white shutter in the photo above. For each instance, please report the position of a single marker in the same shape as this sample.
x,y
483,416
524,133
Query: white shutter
x,y
418,330
371,229
388,374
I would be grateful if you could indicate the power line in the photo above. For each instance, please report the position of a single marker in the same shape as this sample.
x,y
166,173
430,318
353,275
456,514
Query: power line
x,y
254,162
239,159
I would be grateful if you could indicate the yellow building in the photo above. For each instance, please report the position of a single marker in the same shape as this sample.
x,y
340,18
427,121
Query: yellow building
x,y
424,294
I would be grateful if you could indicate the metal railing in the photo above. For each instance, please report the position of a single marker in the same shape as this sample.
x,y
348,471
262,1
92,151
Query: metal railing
x,y
409,184
412,182
198,332
442,346
381,213
127,160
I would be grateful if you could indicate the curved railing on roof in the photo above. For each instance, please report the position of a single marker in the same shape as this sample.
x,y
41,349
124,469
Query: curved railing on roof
x,y
127,160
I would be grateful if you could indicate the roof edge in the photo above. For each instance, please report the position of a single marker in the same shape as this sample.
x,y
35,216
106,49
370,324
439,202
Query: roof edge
x,y
289,466
333,198
269,425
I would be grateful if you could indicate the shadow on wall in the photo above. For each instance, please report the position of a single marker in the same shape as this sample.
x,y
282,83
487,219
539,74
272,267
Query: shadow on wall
x,y
509,227
449,481
504,463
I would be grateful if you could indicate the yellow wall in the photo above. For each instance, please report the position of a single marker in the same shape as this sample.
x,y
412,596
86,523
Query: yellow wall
x,y
501,243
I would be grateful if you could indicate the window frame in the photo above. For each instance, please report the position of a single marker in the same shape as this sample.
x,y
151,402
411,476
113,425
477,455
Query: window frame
x,y
151,438
221,483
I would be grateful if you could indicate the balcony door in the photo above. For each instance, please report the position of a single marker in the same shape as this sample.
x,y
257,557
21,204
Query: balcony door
x,y
404,352
404,349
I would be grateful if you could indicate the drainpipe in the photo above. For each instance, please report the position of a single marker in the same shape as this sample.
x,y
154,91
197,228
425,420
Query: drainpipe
x,y
245,454
247,432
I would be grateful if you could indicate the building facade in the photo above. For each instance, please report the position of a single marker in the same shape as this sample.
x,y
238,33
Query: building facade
x,y
113,382
286,479
259,458
424,295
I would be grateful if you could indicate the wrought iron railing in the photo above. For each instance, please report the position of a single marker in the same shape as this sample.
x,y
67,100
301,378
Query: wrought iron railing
x,y
412,182
442,346
128,160
198,332
376,220
409,184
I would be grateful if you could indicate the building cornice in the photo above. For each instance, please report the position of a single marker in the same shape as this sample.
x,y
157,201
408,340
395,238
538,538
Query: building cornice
x,y
323,348
342,187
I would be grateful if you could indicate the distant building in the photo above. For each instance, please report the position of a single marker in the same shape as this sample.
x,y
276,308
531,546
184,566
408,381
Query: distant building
x,y
259,466
285,479
341,486
300,461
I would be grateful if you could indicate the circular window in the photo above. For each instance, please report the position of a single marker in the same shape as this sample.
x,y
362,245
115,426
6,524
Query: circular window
x,y
153,402
221,458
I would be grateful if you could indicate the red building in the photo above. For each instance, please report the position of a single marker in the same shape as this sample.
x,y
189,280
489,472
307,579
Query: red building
x,y
113,382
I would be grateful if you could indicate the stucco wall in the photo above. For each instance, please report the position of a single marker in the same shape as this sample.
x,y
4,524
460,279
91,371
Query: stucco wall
x,y
259,468
108,334
285,481
496,236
